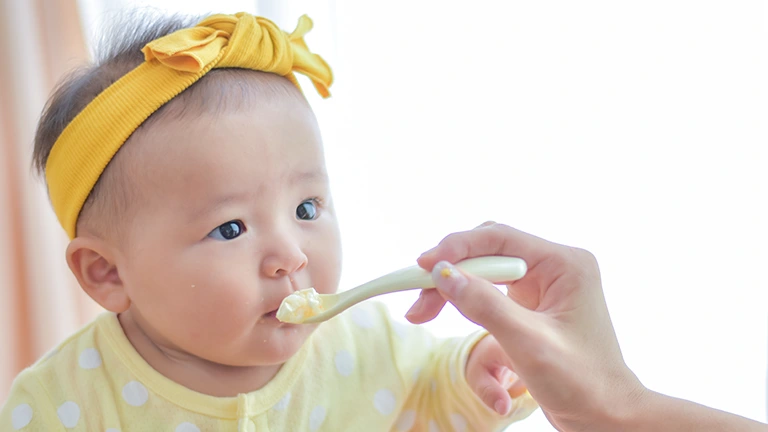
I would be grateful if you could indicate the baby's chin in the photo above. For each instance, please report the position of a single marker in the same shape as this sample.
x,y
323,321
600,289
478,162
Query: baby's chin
x,y
278,344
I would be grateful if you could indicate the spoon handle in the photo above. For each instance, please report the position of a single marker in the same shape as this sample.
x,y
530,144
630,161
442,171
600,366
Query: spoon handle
x,y
497,269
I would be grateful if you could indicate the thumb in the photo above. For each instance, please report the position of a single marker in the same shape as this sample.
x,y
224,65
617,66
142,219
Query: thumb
x,y
479,300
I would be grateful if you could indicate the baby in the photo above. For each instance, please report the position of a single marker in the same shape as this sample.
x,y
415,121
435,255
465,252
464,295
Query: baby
x,y
187,168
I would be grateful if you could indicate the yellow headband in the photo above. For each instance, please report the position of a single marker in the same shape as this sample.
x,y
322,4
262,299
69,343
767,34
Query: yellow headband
x,y
172,64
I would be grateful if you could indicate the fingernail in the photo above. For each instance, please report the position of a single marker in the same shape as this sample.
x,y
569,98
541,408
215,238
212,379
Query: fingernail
x,y
448,278
507,378
501,407
416,308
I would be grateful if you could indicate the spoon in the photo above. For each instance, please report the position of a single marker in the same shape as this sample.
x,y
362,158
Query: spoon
x,y
308,307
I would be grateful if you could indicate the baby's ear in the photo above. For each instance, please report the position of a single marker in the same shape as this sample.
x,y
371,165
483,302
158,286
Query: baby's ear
x,y
93,264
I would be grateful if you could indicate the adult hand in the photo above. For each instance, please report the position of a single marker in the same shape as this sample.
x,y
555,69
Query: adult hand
x,y
553,323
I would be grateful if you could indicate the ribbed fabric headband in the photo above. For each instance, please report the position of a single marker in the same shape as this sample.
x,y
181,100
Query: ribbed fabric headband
x,y
172,64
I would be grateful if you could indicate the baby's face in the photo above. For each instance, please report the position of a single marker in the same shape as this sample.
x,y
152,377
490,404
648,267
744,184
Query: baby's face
x,y
236,215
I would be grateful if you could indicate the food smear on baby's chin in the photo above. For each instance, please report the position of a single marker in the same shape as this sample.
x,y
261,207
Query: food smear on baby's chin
x,y
299,306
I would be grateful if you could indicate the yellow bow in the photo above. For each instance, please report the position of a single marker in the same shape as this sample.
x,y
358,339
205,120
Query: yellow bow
x,y
242,41
173,63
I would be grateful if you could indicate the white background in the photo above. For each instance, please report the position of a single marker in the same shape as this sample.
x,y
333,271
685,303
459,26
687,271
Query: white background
x,y
636,130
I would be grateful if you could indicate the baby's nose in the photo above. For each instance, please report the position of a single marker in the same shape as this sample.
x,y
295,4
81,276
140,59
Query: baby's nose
x,y
284,261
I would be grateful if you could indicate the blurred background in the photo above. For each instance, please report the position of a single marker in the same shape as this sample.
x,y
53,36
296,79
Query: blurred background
x,y
636,130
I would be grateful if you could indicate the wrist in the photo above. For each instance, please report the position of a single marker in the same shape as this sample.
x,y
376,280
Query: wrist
x,y
627,407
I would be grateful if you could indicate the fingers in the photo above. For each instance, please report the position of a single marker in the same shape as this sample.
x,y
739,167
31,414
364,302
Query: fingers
x,y
512,383
490,376
491,387
488,239
479,300
526,293
485,224
426,308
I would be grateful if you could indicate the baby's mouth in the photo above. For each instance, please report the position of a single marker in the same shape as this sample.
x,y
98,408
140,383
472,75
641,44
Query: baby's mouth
x,y
271,316
268,319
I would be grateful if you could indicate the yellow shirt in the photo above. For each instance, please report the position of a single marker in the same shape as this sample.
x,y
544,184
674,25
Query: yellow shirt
x,y
360,371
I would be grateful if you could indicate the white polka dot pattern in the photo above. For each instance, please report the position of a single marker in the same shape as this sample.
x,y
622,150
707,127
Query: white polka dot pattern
x,y
316,418
135,394
345,363
21,416
361,317
282,404
384,401
90,359
187,427
69,414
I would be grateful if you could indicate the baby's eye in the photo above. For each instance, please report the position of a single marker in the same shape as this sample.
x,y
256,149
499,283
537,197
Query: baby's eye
x,y
228,231
307,210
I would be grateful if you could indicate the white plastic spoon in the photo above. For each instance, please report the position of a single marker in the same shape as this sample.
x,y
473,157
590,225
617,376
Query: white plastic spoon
x,y
307,306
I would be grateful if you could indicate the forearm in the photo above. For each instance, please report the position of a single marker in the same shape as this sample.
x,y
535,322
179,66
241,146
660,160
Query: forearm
x,y
655,412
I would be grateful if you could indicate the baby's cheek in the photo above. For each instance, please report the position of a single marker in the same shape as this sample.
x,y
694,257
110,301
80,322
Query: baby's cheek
x,y
206,298
226,297
327,284
209,318
325,273
324,256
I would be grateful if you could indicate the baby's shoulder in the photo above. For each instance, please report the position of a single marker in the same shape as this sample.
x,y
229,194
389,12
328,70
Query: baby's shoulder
x,y
81,351
70,379
83,367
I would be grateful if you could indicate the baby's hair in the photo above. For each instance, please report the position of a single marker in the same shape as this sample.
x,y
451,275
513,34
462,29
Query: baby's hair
x,y
117,52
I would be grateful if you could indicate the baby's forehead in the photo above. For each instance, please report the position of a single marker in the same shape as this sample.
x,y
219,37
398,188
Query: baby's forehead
x,y
232,126
223,91
273,134
226,174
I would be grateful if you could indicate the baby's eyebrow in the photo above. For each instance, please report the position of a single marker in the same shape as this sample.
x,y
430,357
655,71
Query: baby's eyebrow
x,y
308,176
200,211
297,177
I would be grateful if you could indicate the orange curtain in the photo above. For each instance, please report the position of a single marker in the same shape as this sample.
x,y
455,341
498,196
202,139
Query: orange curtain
x,y
40,302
